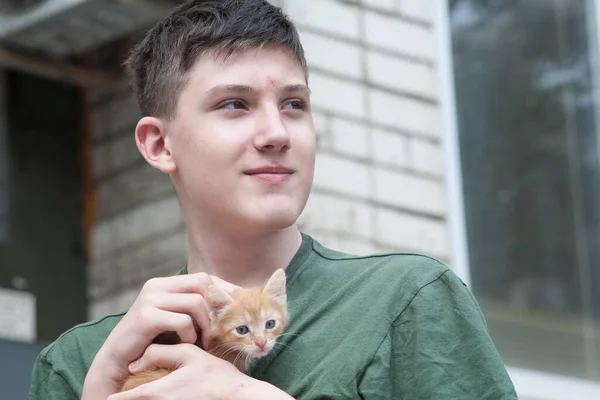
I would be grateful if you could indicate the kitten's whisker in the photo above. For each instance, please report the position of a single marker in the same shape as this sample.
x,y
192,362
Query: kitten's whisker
x,y
219,347
237,347
289,347
228,351
226,345
240,354
230,342
289,334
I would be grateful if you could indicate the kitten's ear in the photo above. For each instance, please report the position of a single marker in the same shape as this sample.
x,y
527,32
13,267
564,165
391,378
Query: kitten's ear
x,y
276,284
217,299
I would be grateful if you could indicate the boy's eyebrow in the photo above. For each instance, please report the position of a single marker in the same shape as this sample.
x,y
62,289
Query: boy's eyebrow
x,y
248,89
296,88
230,88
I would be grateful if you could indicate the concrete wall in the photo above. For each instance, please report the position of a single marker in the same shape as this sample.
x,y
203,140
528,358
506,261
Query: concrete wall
x,y
379,183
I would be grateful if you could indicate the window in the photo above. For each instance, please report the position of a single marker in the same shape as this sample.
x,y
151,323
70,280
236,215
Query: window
x,y
4,195
526,84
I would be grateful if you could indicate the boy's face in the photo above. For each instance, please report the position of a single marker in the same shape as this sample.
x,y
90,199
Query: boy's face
x,y
242,142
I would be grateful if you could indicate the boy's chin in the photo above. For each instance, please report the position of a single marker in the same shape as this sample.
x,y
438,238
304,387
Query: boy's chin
x,y
274,219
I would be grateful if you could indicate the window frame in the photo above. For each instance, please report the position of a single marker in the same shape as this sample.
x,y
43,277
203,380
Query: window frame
x,y
529,384
4,164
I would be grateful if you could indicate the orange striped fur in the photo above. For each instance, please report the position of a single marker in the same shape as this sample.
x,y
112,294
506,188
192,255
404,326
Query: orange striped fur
x,y
262,310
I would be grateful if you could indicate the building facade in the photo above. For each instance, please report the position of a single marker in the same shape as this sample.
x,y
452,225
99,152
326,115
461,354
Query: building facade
x,y
378,125
412,156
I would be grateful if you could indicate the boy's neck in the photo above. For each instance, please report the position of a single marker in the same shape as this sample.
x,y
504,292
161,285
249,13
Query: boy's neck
x,y
243,260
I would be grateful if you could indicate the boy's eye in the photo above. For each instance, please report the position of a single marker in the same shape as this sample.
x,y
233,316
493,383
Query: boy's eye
x,y
233,105
242,330
295,105
270,324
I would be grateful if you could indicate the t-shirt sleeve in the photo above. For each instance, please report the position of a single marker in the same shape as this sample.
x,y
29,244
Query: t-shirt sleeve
x,y
438,348
46,383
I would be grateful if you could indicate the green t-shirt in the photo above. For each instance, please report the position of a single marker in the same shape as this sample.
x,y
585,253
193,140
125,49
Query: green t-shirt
x,y
389,326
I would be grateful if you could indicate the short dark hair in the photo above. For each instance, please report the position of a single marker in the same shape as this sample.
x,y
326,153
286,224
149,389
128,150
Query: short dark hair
x,y
158,65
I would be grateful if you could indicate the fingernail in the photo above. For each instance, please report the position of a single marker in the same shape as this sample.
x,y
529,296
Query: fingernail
x,y
133,366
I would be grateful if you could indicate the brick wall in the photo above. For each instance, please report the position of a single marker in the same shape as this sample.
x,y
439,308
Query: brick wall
x,y
378,182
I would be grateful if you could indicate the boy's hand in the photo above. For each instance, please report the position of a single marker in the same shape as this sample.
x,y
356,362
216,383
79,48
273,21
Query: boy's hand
x,y
171,304
198,375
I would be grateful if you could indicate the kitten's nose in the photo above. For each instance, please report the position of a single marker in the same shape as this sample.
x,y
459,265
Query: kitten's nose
x,y
261,343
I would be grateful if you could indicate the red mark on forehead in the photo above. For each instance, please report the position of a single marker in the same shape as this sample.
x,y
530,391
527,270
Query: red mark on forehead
x,y
271,81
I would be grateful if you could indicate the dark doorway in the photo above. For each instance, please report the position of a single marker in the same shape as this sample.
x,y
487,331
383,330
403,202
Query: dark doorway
x,y
41,251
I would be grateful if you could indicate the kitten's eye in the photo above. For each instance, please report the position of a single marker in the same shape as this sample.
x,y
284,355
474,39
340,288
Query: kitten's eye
x,y
242,330
270,324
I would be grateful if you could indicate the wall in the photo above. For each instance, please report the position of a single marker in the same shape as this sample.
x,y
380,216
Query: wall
x,y
379,183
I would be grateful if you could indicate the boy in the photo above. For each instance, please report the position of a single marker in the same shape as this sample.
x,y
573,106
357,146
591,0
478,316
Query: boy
x,y
222,86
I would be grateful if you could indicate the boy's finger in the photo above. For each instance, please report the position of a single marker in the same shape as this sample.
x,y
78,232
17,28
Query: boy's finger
x,y
163,356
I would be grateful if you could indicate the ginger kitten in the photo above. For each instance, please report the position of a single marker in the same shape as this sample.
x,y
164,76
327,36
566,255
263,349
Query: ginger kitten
x,y
244,325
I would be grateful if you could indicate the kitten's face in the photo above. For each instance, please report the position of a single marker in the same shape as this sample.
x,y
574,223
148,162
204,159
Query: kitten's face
x,y
249,320
251,323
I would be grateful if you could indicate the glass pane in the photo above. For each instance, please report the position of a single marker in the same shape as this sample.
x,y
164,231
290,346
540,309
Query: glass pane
x,y
525,73
4,195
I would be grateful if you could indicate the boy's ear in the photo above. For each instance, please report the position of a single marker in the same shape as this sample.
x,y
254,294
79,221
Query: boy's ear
x,y
153,144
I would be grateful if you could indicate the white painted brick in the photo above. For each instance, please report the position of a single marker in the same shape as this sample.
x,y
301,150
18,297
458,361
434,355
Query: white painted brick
x,y
325,15
171,267
117,303
101,161
321,125
337,95
404,113
327,239
320,122
354,246
400,36
102,240
337,215
425,157
388,5
344,243
100,308
101,278
399,189
390,148
331,54
100,123
147,220
142,262
159,256
148,239
115,116
340,175
411,233
350,138
124,152
418,9
163,266
401,74
323,141
135,225
384,248
126,299
115,154
131,188
123,115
